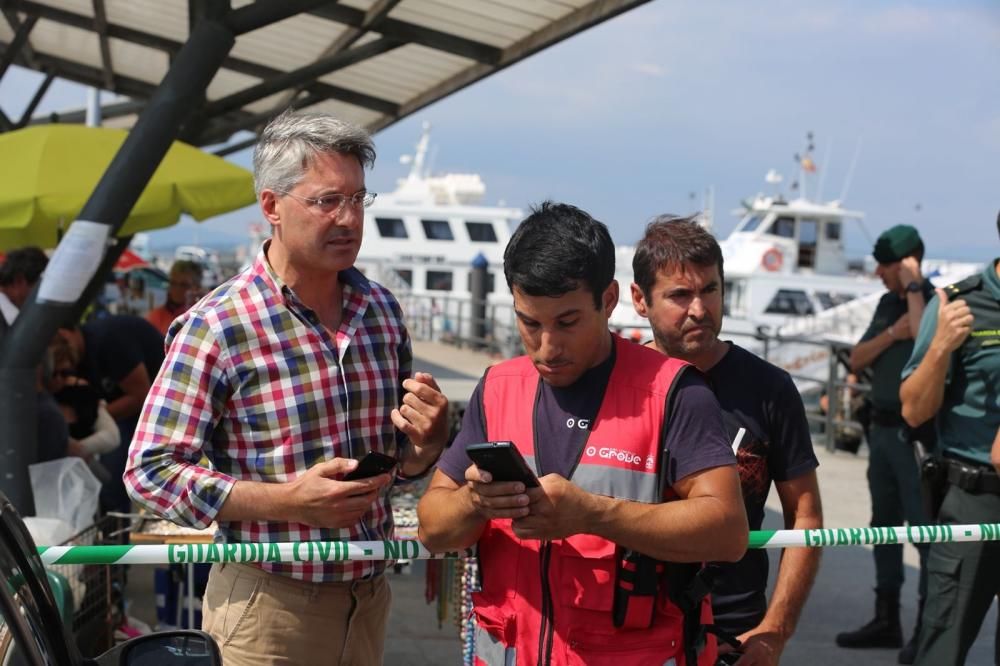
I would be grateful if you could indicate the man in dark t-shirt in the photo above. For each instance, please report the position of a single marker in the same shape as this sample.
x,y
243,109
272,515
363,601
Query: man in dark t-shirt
x,y
893,475
120,355
678,287
559,265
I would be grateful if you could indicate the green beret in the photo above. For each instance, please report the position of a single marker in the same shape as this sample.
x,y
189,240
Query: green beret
x,y
900,241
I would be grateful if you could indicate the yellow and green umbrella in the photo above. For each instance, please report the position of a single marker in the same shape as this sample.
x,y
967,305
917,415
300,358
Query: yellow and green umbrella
x,y
47,173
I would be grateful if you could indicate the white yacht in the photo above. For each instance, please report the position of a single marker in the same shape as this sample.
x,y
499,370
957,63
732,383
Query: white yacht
x,y
422,239
784,260
790,289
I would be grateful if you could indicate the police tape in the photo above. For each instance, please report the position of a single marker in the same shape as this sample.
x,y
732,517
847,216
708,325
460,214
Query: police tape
x,y
411,549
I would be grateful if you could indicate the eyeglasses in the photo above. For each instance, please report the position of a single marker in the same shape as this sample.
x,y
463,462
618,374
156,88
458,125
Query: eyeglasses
x,y
332,204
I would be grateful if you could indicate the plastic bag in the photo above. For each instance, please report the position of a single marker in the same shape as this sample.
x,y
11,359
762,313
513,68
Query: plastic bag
x,y
48,531
65,489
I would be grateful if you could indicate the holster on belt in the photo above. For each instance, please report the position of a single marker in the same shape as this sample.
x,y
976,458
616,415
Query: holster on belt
x,y
933,478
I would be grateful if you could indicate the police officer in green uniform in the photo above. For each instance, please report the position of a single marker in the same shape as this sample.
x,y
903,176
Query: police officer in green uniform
x,y
955,373
893,476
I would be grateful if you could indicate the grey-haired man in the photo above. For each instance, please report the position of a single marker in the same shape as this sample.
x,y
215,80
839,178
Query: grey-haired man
x,y
283,377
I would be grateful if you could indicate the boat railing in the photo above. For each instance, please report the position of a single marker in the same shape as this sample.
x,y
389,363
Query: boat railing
x,y
847,320
462,321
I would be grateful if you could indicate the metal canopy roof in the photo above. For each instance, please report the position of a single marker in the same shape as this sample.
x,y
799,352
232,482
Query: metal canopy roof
x,y
372,62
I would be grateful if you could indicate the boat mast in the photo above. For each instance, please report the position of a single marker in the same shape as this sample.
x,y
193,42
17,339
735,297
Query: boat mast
x,y
417,165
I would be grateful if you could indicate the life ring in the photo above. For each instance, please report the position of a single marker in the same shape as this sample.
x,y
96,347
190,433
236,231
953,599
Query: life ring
x,y
771,261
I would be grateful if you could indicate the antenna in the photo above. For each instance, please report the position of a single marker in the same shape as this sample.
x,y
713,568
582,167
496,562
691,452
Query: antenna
x,y
430,162
708,209
417,163
850,171
805,164
822,169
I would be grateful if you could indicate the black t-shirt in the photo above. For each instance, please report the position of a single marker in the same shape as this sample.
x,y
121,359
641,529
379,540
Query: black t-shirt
x,y
114,346
761,400
693,433
84,400
53,435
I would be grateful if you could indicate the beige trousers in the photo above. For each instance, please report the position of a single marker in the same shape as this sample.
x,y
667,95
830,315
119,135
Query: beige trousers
x,y
258,618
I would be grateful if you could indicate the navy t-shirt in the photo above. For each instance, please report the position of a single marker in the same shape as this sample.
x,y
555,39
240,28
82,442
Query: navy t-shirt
x,y
693,431
114,346
775,445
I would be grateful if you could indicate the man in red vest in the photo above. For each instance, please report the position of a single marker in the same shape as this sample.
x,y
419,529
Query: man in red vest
x,y
634,466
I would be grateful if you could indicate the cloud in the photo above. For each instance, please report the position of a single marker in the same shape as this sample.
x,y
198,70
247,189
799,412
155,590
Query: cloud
x,y
650,69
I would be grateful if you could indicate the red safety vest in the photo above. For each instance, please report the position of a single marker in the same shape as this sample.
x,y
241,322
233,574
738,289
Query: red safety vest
x,y
551,602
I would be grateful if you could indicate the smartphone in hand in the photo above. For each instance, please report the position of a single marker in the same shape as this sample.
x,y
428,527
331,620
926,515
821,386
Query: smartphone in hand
x,y
503,461
372,464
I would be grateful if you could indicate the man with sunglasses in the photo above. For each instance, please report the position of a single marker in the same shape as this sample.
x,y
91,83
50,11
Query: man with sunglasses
x,y
283,377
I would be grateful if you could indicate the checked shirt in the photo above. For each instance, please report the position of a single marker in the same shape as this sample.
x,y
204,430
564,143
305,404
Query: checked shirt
x,y
254,383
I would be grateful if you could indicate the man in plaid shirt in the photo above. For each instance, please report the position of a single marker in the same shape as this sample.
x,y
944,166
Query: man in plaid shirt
x,y
283,378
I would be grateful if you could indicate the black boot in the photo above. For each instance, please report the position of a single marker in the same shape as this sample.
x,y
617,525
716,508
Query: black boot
x,y
909,652
883,631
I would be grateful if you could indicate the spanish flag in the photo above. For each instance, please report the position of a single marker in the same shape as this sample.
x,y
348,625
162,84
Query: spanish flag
x,y
808,165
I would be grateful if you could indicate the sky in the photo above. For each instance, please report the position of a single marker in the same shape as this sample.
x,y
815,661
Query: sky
x,y
641,114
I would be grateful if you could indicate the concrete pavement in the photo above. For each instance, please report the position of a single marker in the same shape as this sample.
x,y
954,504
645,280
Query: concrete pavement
x,y
843,596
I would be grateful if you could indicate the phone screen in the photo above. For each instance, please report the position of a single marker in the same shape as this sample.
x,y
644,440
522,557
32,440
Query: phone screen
x,y
372,464
503,461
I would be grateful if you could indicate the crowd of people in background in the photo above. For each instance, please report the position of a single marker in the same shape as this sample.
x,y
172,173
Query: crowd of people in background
x,y
95,374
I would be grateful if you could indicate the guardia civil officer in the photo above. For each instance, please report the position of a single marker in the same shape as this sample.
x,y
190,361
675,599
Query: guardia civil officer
x,y
954,373
893,476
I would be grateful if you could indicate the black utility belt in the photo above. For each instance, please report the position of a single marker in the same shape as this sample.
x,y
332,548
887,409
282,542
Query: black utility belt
x,y
972,478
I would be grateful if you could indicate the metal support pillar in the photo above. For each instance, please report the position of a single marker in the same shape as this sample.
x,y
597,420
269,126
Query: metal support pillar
x,y
478,279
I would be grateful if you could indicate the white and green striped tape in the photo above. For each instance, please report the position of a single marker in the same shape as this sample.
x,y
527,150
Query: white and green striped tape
x,y
411,549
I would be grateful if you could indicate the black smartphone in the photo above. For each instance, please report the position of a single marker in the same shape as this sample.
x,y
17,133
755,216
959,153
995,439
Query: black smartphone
x,y
372,464
503,461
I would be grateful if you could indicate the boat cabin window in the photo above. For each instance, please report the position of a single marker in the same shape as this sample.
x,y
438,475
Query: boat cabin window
x,y
481,232
406,275
439,280
734,298
437,230
751,223
783,227
829,300
832,231
391,227
490,279
808,234
790,302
